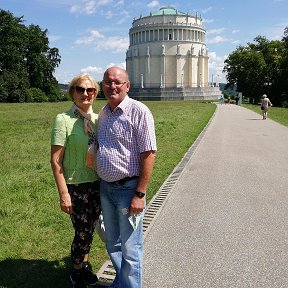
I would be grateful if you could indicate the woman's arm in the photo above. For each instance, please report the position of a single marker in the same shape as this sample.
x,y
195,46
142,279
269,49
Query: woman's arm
x,y
57,153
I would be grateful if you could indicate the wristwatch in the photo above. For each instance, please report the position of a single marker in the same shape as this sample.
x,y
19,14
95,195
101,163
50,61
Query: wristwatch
x,y
140,194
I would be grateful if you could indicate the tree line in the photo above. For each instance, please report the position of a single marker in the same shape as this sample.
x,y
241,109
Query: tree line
x,y
27,63
260,68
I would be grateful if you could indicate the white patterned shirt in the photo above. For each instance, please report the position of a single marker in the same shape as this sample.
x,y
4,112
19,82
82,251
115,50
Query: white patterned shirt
x,y
122,135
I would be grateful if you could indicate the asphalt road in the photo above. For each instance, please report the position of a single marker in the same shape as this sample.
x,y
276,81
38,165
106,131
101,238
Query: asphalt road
x,y
225,223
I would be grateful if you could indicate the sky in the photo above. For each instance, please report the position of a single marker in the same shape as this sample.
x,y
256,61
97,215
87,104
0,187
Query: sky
x,y
92,35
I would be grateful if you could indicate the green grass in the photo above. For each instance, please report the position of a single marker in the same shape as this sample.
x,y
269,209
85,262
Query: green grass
x,y
35,235
277,114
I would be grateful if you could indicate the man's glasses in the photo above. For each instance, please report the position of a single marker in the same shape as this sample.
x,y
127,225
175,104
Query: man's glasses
x,y
81,90
116,83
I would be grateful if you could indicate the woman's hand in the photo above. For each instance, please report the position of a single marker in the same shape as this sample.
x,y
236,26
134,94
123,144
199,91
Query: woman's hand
x,y
65,203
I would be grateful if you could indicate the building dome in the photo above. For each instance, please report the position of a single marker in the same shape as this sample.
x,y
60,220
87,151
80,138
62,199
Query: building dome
x,y
167,49
167,11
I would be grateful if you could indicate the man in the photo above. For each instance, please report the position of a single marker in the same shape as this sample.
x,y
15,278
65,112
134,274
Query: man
x,y
125,159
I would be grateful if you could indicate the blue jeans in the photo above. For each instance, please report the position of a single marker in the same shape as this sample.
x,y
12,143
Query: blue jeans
x,y
124,244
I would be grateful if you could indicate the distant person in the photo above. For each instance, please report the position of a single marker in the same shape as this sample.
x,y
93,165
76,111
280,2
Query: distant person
x,y
265,104
221,99
237,99
228,100
125,159
73,143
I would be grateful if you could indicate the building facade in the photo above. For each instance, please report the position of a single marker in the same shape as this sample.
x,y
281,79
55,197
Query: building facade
x,y
168,58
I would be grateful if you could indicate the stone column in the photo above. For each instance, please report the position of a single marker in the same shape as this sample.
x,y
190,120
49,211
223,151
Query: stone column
x,y
162,69
147,68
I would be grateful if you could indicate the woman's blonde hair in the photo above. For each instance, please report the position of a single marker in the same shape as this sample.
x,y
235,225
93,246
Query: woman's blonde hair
x,y
77,79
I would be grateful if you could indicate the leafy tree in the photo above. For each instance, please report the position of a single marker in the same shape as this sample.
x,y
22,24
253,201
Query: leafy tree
x,y
26,61
12,85
245,68
259,68
13,72
36,95
283,66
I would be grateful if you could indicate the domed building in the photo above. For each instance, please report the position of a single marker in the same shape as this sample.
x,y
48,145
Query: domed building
x,y
167,57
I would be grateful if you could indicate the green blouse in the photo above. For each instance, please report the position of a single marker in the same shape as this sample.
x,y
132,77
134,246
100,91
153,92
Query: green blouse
x,y
68,131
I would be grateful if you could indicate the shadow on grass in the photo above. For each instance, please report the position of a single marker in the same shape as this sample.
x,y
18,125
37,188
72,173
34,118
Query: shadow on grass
x,y
23,273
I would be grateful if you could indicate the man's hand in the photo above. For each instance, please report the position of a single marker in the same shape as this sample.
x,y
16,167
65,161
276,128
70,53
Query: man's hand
x,y
137,205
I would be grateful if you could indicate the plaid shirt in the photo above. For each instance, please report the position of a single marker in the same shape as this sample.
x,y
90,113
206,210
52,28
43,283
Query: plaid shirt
x,y
122,135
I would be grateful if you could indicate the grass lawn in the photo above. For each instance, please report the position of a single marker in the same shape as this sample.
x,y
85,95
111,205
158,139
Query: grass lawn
x,y
35,236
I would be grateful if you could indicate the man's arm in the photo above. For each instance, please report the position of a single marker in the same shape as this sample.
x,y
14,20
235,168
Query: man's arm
x,y
146,168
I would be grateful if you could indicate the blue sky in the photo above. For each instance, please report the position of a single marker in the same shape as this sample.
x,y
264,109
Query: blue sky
x,y
93,34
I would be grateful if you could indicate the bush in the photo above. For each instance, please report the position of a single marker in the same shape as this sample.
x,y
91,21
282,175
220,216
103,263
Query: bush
x,y
36,95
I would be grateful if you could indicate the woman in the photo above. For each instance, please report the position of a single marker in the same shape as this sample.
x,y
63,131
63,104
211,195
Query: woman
x,y
266,103
73,143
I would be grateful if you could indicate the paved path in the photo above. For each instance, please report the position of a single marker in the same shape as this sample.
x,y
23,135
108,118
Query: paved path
x,y
225,223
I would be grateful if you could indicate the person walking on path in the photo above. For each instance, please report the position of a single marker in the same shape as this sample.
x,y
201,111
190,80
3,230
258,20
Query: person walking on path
x,y
125,159
265,104
72,153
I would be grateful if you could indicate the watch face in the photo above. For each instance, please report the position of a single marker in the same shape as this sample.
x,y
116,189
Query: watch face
x,y
140,194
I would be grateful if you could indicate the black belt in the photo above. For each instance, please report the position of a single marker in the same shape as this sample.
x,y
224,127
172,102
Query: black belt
x,y
124,180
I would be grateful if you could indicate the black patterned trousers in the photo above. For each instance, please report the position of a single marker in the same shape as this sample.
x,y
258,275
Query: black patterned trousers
x,y
86,210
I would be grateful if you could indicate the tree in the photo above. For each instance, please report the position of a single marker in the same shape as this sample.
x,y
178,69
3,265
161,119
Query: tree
x,y
13,71
245,68
283,66
25,54
259,68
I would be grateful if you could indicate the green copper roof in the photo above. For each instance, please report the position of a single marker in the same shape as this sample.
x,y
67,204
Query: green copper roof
x,y
167,11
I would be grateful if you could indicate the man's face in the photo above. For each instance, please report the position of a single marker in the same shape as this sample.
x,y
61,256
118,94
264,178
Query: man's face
x,y
115,86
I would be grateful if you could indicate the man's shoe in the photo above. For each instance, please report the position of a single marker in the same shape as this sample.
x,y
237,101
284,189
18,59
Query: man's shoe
x,y
76,279
89,277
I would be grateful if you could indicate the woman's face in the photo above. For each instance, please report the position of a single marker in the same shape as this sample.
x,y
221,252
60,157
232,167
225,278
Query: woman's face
x,y
84,94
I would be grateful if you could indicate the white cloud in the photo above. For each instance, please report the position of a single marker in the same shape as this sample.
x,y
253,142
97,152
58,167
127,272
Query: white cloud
x,y
97,72
94,36
64,76
216,65
124,16
208,21
153,4
217,39
115,44
102,2
119,3
204,11
109,14
236,42
54,38
215,31
121,65
89,6
92,70
276,32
